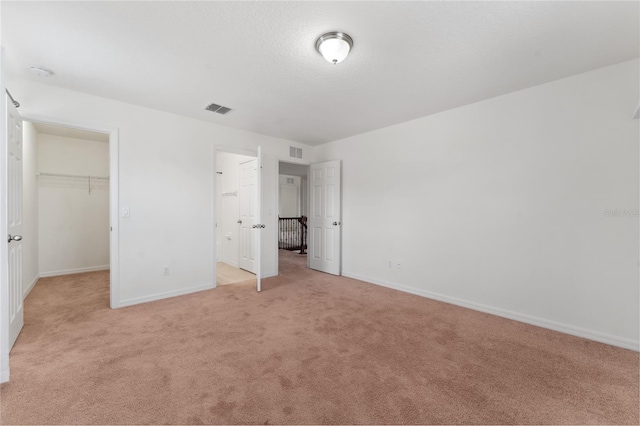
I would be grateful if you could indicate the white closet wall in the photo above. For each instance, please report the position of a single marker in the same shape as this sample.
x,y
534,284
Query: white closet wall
x,y
30,263
73,218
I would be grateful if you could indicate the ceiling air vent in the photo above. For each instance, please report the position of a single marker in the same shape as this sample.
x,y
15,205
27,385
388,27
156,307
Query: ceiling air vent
x,y
218,108
295,152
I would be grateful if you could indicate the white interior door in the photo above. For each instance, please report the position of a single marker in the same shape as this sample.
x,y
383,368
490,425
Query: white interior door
x,y
249,215
324,222
14,219
259,225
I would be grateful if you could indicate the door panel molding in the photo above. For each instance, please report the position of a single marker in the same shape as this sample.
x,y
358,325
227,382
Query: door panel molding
x,y
4,249
247,197
14,221
325,223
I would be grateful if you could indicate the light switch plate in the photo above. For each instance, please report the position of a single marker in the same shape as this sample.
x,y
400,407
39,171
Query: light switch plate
x,y
126,212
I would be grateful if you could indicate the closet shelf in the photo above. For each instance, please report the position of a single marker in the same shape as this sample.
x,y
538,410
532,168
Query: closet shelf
x,y
73,176
90,179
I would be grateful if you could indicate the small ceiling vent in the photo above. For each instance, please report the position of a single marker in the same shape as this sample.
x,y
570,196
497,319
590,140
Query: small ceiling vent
x,y
295,152
218,108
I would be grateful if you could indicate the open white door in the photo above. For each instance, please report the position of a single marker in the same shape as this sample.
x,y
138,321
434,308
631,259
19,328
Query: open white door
x,y
324,232
259,225
248,202
14,221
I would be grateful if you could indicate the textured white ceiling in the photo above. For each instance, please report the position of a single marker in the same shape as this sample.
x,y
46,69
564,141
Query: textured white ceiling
x,y
68,132
410,59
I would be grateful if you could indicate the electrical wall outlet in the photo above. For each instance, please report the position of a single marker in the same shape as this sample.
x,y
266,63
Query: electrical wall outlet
x,y
166,270
394,264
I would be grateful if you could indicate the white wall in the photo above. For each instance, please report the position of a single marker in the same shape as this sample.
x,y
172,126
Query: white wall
x,y
74,224
301,170
228,206
30,235
290,196
166,179
60,154
502,205
293,169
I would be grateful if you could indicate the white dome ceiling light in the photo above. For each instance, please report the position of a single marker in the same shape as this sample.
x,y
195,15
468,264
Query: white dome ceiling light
x,y
334,46
40,71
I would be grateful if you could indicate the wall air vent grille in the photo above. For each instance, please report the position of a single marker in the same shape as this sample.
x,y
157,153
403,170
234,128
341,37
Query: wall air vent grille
x,y
295,152
218,108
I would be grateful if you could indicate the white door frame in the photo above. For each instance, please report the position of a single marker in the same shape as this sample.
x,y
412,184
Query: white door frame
x,y
114,240
4,250
214,157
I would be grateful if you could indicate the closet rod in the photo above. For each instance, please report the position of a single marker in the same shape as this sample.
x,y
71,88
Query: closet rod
x,y
73,176
13,101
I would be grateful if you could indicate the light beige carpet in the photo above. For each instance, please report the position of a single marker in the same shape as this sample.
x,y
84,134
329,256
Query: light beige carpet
x,y
312,348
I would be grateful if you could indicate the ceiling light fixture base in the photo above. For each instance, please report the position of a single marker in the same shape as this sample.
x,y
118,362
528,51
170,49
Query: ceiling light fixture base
x,y
40,71
334,46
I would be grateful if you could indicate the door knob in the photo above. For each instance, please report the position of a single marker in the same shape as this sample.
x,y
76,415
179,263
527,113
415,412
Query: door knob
x,y
14,238
336,223
255,226
239,221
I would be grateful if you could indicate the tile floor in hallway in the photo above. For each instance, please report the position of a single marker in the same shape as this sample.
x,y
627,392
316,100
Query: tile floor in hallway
x,y
227,274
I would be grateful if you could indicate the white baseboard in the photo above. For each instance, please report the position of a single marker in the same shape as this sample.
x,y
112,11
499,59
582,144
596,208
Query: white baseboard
x,y
166,295
529,319
73,271
30,286
4,375
269,274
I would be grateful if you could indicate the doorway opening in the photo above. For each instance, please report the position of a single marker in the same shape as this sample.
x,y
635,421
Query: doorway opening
x,y
47,158
293,212
237,206
66,193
